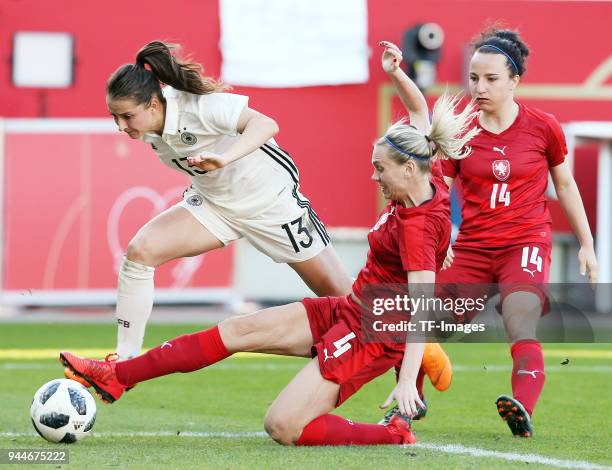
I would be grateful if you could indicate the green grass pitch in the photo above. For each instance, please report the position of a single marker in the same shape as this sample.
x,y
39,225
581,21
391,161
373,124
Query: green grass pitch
x,y
213,418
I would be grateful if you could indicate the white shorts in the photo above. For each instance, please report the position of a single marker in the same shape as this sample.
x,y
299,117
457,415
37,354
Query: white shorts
x,y
288,232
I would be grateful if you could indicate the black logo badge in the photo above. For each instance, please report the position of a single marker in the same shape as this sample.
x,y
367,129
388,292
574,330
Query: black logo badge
x,y
195,200
188,138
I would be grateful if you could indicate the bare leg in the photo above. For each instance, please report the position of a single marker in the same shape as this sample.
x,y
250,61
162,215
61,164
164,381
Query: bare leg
x,y
305,398
174,233
278,330
521,312
300,415
324,274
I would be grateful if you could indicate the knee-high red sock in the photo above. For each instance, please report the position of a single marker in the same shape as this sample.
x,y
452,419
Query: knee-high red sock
x,y
527,372
332,430
183,354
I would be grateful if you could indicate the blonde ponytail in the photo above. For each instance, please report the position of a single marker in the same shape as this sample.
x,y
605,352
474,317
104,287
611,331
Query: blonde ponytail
x,y
449,131
447,138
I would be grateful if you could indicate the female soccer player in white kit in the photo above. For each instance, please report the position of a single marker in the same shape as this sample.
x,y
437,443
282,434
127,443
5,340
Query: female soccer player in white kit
x,y
243,184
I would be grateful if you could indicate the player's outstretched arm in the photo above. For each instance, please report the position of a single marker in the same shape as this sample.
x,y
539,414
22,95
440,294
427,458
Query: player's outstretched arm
x,y
409,93
255,129
571,201
405,392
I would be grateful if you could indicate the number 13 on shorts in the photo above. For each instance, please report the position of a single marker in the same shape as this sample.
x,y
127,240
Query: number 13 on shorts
x,y
300,230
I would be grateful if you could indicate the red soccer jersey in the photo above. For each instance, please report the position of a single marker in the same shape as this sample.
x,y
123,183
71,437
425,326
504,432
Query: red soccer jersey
x,y
504,181
407,239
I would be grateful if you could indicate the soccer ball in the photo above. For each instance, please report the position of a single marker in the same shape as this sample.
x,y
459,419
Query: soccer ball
x,y
63,411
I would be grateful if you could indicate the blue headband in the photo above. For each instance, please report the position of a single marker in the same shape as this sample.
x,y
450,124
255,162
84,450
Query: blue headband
x,y
402,151
491,46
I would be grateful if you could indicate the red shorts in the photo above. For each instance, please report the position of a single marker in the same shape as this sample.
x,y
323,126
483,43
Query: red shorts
x,y
518,268
343,358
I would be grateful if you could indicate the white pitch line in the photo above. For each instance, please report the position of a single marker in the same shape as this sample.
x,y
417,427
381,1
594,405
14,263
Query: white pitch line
x,y
447,448
511,456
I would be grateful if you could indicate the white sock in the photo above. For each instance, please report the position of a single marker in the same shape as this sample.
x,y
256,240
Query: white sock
x,y
134,305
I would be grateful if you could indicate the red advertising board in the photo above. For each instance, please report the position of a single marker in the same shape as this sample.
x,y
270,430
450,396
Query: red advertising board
x,y
72,202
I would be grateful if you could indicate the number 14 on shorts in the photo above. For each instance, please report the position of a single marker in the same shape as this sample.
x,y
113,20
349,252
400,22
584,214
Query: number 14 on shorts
x,y
530,257
342,345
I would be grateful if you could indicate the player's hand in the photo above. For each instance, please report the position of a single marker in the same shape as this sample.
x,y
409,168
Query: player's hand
x,y
450,256
588,263
406,395
207,162
391,56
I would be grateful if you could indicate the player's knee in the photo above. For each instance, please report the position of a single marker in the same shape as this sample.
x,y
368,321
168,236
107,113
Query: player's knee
x,y
522,303
279,429
521,312
140,250
236,331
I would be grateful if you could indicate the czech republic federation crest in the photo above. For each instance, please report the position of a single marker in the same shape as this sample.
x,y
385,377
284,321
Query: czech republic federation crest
x,y
501,169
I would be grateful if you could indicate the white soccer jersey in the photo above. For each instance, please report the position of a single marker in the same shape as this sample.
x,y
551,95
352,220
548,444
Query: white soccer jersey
x,y
196,124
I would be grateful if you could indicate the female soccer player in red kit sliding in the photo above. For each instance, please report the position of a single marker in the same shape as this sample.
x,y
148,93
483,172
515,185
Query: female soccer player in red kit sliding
x,y
505,236
408,244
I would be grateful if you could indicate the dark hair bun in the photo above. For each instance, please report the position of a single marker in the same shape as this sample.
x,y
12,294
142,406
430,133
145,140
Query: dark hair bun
x,y
508,41
513,37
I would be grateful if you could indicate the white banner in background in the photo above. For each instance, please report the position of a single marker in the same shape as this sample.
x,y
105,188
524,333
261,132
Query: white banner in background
x,y
294,43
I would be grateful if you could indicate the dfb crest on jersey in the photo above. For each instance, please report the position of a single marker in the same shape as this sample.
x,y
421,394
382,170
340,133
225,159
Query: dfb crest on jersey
x,y
195,200
501,169
188,138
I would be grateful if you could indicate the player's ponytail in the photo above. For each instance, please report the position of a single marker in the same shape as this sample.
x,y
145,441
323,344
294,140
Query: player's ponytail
x,y
447,138
156,64
450,132
178,73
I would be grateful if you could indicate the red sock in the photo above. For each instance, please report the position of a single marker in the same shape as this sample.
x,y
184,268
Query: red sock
x,y
183,354
332,430
527,372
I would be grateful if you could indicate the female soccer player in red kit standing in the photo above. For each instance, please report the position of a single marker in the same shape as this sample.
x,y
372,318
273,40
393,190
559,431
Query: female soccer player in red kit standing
x,y
505,236
408,245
